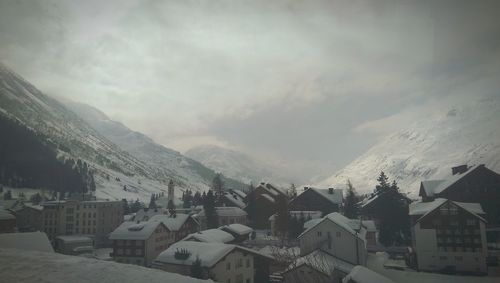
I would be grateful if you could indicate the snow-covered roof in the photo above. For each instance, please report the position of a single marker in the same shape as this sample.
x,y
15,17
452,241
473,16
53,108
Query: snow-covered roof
x,y
134,231
268,197
322,262
226,211
146,214
424,208
235,199
210,236
361,274
369,225
312,222
74,238
350,225
208,253
172,223
336,196
57,268
271,189
433,187
31,241
237,228
34,206
5,215
239,193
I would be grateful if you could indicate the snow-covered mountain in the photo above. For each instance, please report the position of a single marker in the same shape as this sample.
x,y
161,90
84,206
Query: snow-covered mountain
x,y
465,134
119,156
231,163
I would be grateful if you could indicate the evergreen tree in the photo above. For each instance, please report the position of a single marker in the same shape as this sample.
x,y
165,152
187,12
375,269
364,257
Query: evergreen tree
x,y
196,269
197,199
282,215
350,203
136,206
251,207
210,212
152,202
21,196
383,183
171,208
292,192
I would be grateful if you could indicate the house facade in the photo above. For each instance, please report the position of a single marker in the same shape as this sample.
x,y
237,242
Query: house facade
x,y
93,218
140,243
7,222
29,218
337,235
225,215
449,236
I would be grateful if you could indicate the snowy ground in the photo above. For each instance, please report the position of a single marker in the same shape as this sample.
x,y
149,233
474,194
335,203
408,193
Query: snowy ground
x,y
376,263
27,266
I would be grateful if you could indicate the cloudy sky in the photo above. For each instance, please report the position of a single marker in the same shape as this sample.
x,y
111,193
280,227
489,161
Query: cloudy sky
x,y
309,85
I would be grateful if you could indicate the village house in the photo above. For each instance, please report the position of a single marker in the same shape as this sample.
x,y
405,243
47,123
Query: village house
x,y
179,225
339,236
29,218
7,222
265,196
219,262
211,236
74,244
225,215
476,184
96,218
240,232
140,243
325,200
317,266
448,236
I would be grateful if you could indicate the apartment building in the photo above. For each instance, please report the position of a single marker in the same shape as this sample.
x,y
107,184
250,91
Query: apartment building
x,y
95,218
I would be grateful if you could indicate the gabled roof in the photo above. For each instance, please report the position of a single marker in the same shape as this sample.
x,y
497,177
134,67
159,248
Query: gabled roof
x,y
146,214
299,213
322,262
274,191
172,223
424,208
335,197
210,236
226,211
239,193
208,253
235,199
350,225
237,228
433,187
134,231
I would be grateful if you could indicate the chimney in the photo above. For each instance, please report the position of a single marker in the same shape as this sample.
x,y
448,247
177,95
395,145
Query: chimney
x,y
459,169
305,188
330,191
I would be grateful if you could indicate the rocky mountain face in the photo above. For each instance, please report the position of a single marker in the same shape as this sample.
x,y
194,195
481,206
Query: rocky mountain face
x,y
126,164
427,149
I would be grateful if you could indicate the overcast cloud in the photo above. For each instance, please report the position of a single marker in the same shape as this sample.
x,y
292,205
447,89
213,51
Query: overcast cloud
x,y
307,84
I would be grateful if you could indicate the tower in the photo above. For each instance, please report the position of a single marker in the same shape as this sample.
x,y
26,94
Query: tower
x,y
170,190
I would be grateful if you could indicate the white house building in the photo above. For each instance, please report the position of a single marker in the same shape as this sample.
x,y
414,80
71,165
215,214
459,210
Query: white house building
x,y
341,237
449,236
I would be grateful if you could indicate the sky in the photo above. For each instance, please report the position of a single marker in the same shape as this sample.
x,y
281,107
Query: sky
x,y
305,85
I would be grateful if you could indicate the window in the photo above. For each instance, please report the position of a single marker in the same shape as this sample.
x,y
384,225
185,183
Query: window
x,y
138,252
248,262
319,233
249,281
228,266
239,278
471,222
338,234
239,263
443,258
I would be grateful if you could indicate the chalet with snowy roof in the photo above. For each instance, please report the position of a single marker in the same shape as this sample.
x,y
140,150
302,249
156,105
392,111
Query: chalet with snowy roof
x,y
265,197
361,274
29,218
179,226
317,266
339,236
225,215
448,236
211,236
238,231
325,200
373,204
140,243
476,184
219,262
230,198
145,214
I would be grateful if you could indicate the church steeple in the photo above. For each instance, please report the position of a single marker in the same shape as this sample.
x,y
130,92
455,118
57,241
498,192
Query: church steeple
x,y
171,190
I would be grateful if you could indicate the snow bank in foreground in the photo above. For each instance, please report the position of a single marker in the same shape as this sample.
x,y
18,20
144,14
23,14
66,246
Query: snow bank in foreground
x,y
28,266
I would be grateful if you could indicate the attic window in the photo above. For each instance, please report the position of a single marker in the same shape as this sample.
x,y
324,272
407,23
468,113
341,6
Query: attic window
x,y
136,227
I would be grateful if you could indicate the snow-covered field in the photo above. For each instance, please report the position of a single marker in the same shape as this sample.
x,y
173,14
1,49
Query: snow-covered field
x,y
28,266
376,263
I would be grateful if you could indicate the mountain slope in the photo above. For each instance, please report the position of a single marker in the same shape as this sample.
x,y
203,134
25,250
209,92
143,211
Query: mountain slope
x,y
467,134
72,137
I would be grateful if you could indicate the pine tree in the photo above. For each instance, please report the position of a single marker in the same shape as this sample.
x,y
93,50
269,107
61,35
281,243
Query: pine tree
x,y
282,215
36,198
210,212
292,192
383,184
350,203
152,203
7,195
196,269
126,208
251,207
136,206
